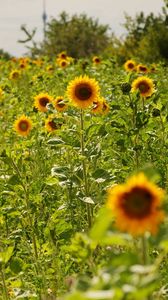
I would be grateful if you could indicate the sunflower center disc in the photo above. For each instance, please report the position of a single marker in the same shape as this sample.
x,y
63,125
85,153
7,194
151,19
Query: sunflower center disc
x,y
143,87
23,125
83,92
137,203
43,101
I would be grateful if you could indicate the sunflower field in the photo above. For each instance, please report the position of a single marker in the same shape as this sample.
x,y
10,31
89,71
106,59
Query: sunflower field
x,y
83,179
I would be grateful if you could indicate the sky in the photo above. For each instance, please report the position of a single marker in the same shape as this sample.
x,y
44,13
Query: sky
x,y
14,13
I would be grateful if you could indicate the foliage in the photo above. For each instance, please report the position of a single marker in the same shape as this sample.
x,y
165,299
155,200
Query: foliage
x,y
79,35
4,55
58,240
147,37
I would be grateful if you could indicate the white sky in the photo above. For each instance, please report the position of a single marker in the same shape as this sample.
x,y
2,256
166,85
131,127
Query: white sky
x,y
14,13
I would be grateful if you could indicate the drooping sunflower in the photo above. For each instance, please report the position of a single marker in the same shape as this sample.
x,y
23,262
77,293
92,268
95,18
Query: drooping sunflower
x,y
96,60
141,68
59,103
136,205
83,91
97,107
14,74
23,125
106,107
41,101
51,124
144,85
130,65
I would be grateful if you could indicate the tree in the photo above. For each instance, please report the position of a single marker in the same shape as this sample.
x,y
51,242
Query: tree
x,y
147,37
79,35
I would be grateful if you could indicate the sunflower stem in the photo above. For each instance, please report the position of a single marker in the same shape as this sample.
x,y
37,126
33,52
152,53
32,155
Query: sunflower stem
x,y
4,284
144,250
89,217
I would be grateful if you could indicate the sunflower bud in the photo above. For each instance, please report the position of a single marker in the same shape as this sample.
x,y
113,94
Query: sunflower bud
x,y
125,87
155,112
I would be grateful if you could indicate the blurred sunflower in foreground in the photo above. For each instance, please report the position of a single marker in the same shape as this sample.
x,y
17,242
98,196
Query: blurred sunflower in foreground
x,y
23,125
136,205
83,91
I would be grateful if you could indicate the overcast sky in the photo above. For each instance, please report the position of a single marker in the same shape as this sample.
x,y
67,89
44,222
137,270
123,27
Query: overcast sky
x,y
14,13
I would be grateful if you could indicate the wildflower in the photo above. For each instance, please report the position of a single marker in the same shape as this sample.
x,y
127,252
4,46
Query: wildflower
x,y
23,125
41,101
136,205
145,86
130,65
83,91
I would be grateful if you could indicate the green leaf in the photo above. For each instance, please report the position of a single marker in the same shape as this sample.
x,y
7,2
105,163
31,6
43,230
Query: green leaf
x,y
51,181
6,255
101,225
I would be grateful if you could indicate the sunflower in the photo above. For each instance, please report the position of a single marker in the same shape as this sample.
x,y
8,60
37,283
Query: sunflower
x,y
96,60
51,124
144,85
59,104
97,107
1,92
49,68
136,205
130,65
41,101
141,69
106,107
14,74
62,55
63,63
83,91
23,125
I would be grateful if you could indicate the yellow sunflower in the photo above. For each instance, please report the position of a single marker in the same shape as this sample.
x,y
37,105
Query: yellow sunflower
x,y
141,69
49,68
144,85
63,63
14,74
97,107
136,205
41,101
130,65
51,124
62,55
1,92
106,107
23,125
83,91
96,60
59,103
